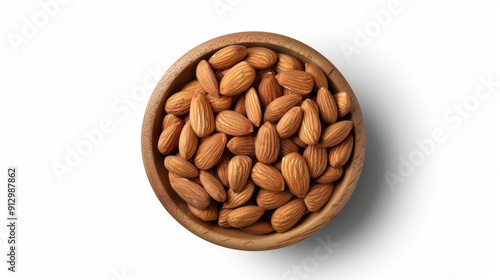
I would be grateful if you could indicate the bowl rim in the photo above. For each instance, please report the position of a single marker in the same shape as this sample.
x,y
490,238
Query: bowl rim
x,y
234,238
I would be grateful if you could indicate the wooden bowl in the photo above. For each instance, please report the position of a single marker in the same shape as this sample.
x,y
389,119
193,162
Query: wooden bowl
x,y
183,71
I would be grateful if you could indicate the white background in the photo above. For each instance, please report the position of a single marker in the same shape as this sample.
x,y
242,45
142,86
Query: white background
x,y
440,221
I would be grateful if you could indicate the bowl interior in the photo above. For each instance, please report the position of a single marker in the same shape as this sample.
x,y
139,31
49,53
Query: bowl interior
x,y
181,72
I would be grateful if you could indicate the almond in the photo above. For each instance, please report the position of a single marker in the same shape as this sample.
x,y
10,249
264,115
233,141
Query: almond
x,y
272,200
343,103
267,144
290,122
327,105
219,103
310,128
280,106
244,216
188,142
268,89
238,171
227,57
287,146
330,175
252,107
260,57
193,86
169,138
221,168
205,75
210,151
340,154
296,173
335,133
201,116
318,196
222,219
181,167
319,77
317,159
267,177
178,104
213,186
232,123
237,79
287,62
237,199
191,192
242,145
286,216
259,227
211,213
240,106
168,120
299,81
296,139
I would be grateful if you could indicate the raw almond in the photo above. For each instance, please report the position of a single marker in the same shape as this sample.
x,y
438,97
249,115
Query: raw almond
x,y
240,106
267,177
242,145
168,120
280,106
335,133
237,199
252,107
201,116
193,86
169,138
191,192
181,167
259,227
227,57
272,200
268,89
213,186
318,196
317,159
260,57
232,123
219,103
188,142
343,103
290,123
221,168
310,128
238,171
299,81
222,219
267,144
211,213
210,151
330,175
237,79
205,75
340,154
287,146
319,77
178,104
296,139
286,216
244,216
326,105
296,173
287,62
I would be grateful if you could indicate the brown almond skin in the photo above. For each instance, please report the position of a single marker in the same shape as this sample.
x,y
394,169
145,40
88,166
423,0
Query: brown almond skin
x,y
271,200
232,123
244,216
317,159
205,75
219,103
330,175
287,216
240,106
343,103
327,105
335,133
191,192
169,138
298,81
340,154
267,144
168,120
221,167
310,128
227,57
261,58
181,167
269,89
222,220
193,86
211,213
267,177
178,104
242,145
210,151
237,199
319,77
287,62
239,169
290,123
280,106
213,186
318,196
288,146
201,116
188,142
259,228
252,107
296,174
237,79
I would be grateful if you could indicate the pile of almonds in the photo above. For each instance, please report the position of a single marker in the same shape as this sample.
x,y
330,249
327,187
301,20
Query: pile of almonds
x,y
256,140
